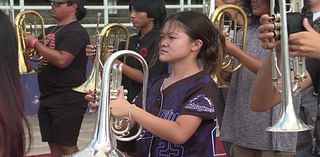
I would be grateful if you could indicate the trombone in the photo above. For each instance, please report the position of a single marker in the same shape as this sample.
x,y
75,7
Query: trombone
x,y
288,120
103,142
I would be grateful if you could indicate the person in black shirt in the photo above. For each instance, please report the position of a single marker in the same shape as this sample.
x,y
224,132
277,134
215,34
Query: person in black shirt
x,y
61,109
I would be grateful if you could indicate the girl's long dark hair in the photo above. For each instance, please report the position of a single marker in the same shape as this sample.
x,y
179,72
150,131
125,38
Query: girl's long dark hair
x,y
12,118
198,26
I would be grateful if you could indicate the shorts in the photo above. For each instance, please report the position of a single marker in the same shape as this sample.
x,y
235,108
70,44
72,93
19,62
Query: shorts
x,y
239,151
60,117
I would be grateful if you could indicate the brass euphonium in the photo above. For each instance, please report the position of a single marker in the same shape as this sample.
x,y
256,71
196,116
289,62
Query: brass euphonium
x,y
29,22
288,120
103,143
108,40
229,28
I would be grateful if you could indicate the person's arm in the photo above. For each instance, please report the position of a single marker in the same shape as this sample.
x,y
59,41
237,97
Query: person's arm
x,y
180,130
249,61
61,59
263,96
132,73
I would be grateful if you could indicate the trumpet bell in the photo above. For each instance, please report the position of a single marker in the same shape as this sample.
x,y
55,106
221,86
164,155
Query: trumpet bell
x,y
108,41
289,122
92,82
91,151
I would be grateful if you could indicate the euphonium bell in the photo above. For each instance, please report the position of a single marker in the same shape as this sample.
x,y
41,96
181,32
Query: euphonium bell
x,y
103,143
29,22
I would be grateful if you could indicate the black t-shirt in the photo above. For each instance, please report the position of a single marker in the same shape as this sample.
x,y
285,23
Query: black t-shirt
x,y
148,47
73,39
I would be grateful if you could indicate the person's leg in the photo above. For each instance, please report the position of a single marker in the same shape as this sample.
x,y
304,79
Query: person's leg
x,y
239,151
67,150
277,154
227,147
67,119
55,150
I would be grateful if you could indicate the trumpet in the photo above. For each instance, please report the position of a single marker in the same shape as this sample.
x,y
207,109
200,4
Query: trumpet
x,y
288,120
107,41
103,142
29,22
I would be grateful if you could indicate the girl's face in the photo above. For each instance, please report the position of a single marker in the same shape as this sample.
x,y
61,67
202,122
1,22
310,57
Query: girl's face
x,y
260,7
139,19
175,44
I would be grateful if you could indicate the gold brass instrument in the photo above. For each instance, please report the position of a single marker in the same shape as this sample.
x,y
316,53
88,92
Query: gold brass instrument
x,y
108,40
229,28
103,143
29,22
288,120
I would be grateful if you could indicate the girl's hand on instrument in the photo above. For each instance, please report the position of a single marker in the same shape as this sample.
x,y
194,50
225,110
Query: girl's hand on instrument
x,y
120,106
93,98
90,51
305,43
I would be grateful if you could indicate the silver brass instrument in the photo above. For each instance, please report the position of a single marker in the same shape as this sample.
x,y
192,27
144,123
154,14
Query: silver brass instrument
x,y
208,7
288,120
108,40
29,22
103,143
229,28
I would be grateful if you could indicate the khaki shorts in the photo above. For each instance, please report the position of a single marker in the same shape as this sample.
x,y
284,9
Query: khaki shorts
x,y
239,151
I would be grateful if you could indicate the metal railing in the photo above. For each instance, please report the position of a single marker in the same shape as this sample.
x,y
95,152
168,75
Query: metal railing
x,y
11,8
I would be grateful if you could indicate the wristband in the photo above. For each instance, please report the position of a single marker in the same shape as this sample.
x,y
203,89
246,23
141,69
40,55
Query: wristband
x,y
33,42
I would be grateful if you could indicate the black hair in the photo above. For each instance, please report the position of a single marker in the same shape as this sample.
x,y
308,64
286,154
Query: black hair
x,y
154,8
197,26
81,10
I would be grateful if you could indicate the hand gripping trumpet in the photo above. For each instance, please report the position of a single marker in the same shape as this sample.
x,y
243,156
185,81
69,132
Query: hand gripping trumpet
x,y
108,40
288,120
103,143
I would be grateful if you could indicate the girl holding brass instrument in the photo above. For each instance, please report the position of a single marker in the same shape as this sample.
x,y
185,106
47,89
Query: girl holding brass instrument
x,y
181,106
147,16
